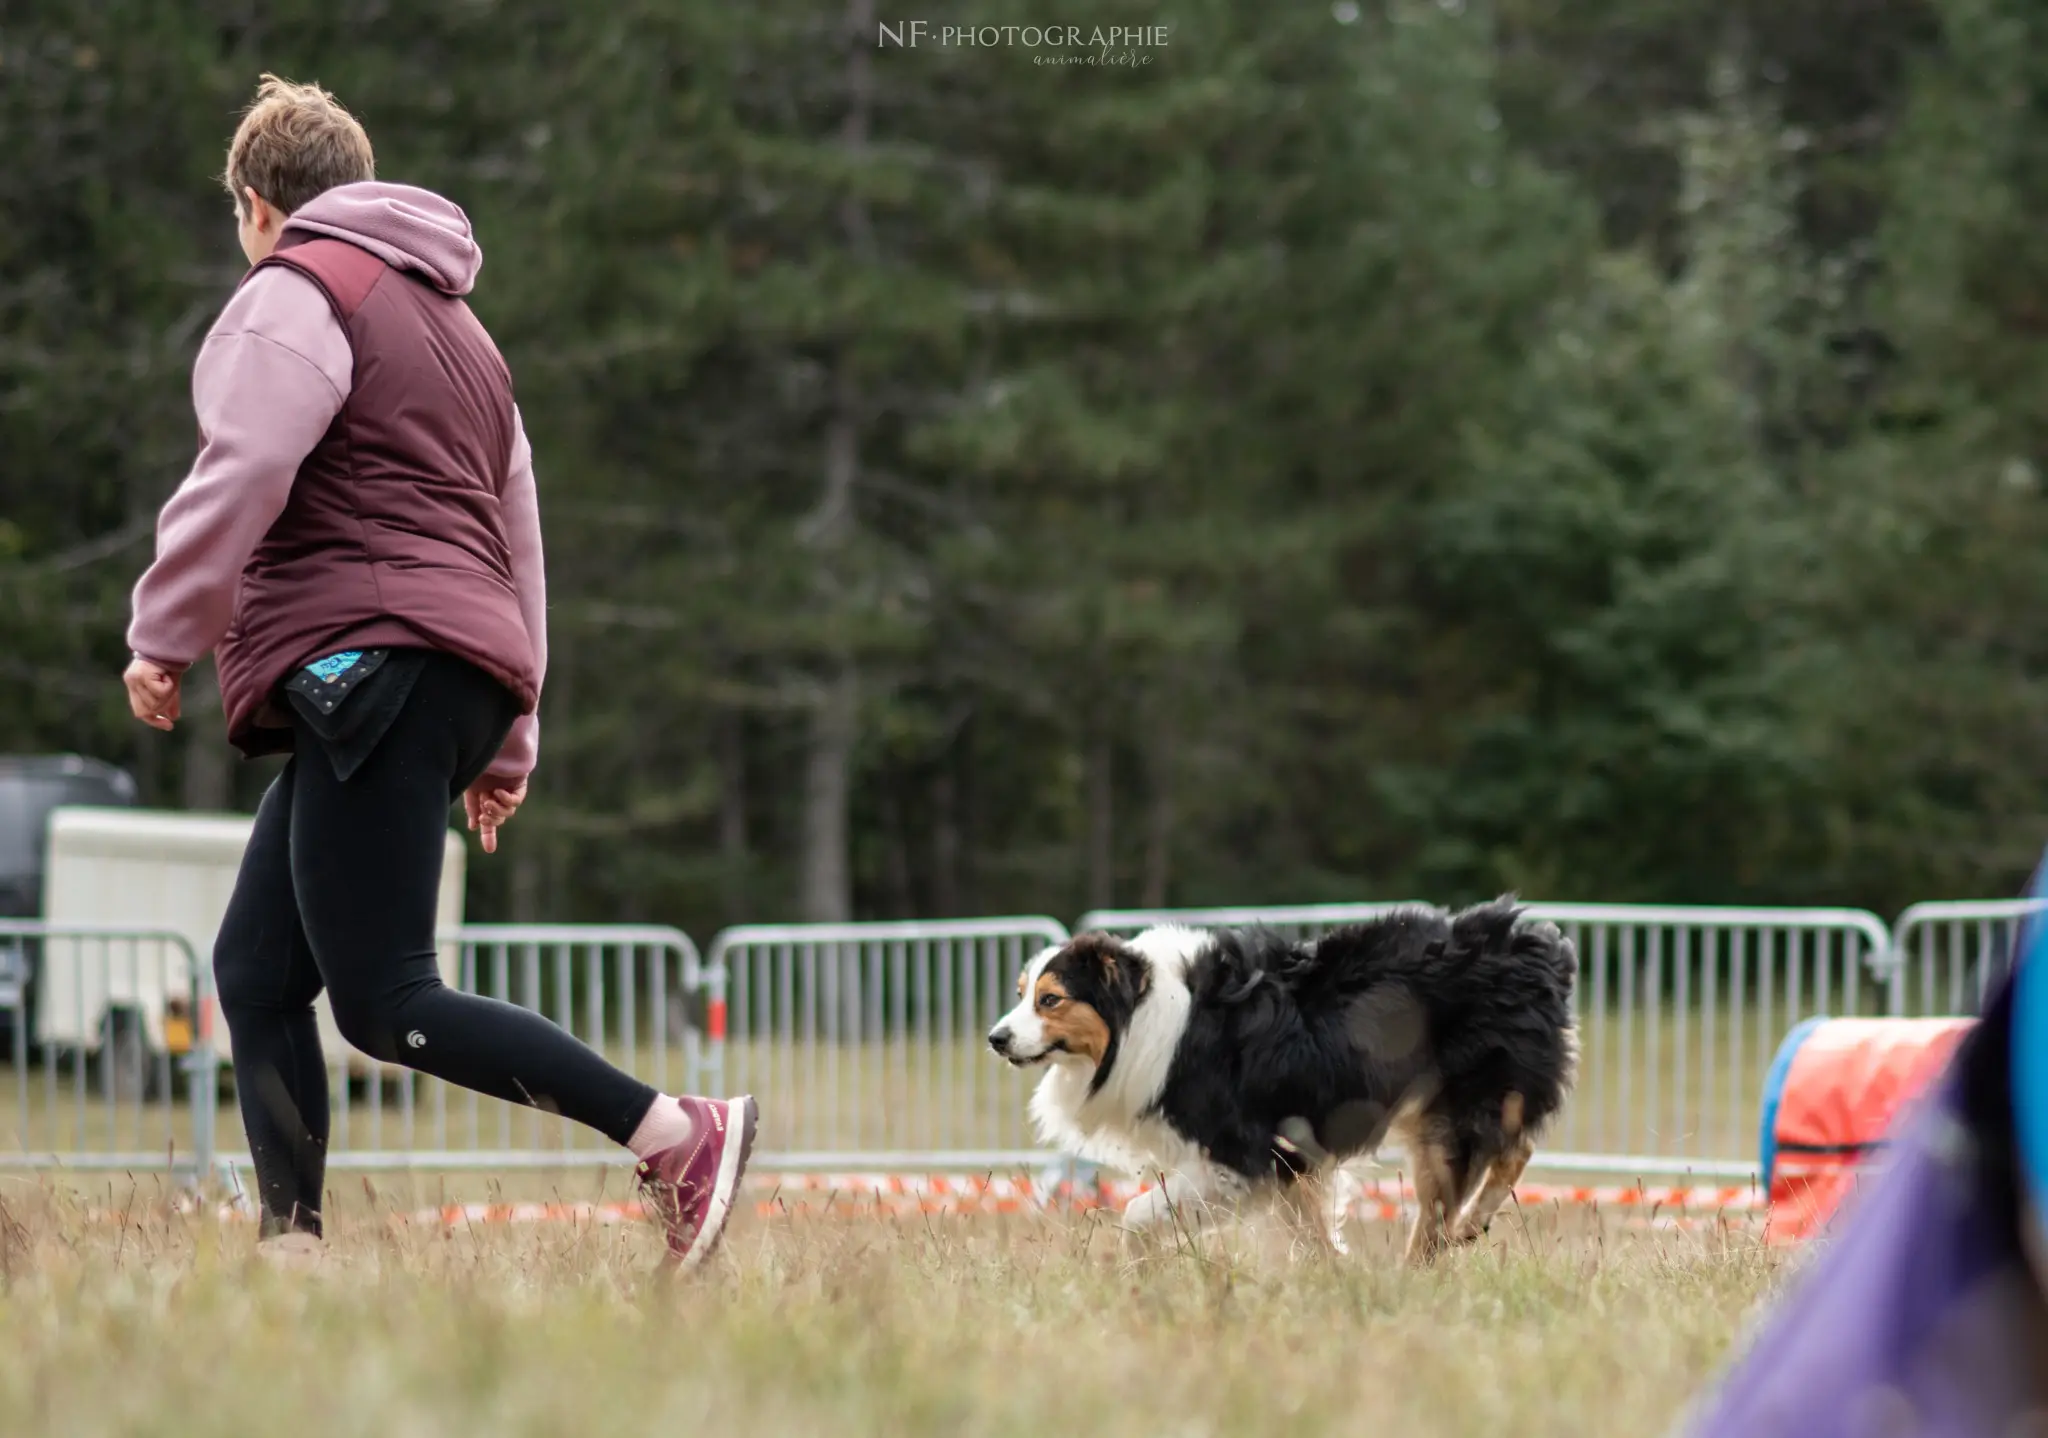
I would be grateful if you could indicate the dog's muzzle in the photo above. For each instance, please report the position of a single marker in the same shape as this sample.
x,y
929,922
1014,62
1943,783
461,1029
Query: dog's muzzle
x,y
1004,1042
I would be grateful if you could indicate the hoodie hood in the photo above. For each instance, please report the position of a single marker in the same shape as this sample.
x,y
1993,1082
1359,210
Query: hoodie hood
x,y
406,227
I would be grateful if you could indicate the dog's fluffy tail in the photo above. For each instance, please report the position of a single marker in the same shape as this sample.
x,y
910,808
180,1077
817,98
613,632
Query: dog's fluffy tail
x,y
1504,926
1541,964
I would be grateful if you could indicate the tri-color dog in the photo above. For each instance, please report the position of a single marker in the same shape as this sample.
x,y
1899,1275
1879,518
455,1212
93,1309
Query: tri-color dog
x,y
1233,1060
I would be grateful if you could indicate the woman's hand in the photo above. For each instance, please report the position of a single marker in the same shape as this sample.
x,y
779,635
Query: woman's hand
x,y
489,808
152,693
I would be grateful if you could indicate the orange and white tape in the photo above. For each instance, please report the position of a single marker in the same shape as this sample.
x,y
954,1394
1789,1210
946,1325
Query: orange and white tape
x,y
891,1194
466,1215
888,1195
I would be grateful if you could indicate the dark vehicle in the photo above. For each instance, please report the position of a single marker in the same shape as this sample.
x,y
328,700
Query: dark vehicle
x,y
30,787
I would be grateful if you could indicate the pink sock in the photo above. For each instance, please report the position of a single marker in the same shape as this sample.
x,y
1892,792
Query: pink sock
x,y
669,1121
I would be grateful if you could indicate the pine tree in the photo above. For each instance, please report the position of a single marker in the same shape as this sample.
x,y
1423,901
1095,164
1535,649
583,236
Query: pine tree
x,y
1940,696
1624,564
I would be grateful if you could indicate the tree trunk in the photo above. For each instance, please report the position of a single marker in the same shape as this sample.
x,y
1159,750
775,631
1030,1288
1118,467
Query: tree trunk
x,y
734,851
826,881
946,836
1159,823
896,848
1101,804
827,895
209,782
552,772
147,765
965,792
526,878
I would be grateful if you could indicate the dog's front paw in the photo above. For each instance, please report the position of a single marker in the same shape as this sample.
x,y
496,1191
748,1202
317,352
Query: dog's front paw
x,y
1146,1210
1175,1204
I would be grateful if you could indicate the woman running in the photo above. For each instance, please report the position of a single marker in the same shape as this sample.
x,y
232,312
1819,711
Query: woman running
x,y
358,543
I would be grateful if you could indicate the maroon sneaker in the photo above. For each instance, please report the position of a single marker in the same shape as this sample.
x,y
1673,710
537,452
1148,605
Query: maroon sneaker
x,y
690,1187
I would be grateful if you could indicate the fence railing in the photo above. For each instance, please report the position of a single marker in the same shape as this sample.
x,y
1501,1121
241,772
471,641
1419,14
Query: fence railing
x,y
1680,1010
866,1043
116,1061
106,1028
639,995
1946,956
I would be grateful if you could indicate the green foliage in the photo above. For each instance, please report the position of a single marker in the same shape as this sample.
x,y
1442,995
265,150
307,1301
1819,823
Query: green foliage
x,y
1615,565
1410,447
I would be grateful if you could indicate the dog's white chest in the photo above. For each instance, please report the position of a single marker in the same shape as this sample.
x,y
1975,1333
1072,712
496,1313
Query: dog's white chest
x,y
1100,1127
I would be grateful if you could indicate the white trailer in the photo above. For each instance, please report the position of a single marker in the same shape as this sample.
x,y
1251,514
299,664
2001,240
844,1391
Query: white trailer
x,y
168,872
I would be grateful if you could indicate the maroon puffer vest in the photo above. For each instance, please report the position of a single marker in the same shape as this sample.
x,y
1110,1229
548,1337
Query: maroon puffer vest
x,y
393,534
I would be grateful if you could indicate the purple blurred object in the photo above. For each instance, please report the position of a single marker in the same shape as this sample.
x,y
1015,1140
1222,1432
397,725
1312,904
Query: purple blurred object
x,y
1918,1314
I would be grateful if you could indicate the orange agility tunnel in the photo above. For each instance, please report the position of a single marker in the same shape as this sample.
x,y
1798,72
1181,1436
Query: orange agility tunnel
x,y
1830,1096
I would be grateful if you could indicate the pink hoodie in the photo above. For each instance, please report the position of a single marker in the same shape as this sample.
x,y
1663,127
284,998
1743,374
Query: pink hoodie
x,y
273,373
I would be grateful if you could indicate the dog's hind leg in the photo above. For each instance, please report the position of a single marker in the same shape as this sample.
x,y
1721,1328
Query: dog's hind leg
x,y
1439,1189
1501,1179
1301,1208
1316,1205
1501,1174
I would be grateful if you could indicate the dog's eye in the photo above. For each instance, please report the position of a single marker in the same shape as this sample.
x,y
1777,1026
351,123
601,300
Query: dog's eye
x,y
1048,1001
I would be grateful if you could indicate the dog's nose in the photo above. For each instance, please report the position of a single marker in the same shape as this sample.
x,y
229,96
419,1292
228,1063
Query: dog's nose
x,y
999,1040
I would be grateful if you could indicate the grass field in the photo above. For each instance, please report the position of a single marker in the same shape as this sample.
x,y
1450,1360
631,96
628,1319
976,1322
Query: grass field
x,y
163,1324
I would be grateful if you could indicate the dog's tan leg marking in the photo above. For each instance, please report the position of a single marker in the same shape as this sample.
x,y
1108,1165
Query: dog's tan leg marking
x,y
1500,1182
1501,1175
1434,1196
1307,1206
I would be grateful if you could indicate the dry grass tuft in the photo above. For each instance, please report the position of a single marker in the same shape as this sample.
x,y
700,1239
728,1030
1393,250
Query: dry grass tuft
x,y
154,1322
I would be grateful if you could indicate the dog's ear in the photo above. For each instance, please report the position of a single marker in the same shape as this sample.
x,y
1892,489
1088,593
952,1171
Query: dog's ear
x,y
1134,974
1121,968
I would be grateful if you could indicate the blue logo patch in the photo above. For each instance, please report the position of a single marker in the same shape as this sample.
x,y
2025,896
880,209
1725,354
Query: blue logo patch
x,y
334,665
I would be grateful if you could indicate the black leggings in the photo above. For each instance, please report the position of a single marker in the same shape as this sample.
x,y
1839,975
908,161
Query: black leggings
x,y
338,888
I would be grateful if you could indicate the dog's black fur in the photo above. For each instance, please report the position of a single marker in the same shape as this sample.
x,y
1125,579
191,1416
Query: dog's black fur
x,y
1458,1026
1452,1013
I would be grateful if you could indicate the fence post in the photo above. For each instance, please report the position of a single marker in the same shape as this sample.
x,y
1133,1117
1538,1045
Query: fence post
x,y
1927,933
202,1092
866,1043
710,977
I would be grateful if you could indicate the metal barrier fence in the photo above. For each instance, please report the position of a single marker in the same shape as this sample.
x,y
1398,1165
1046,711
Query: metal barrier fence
x,y
105,1028
866,1043
118,1066
1680,1010
639,995
1946,956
